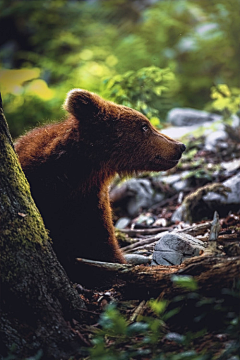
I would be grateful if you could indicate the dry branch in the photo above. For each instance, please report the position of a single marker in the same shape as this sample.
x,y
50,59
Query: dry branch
x,y
140,232
211,273
193,230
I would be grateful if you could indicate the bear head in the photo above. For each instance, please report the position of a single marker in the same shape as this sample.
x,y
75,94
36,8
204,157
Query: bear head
x,y
119,138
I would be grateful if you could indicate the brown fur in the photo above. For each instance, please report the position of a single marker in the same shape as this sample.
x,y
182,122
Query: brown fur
x,y
70,165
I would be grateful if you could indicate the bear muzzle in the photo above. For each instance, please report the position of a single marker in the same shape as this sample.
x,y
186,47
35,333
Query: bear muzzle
x,y
167,162
180,150
175,156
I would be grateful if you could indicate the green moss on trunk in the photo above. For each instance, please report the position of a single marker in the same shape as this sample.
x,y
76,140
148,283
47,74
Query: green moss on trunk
x,y
21,224
37,298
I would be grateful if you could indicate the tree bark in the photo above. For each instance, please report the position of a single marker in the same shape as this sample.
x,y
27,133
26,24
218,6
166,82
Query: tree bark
x,y
37,298
142,282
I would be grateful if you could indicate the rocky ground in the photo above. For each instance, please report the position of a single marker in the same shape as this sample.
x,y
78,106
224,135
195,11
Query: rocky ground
x,y
167,219
206,180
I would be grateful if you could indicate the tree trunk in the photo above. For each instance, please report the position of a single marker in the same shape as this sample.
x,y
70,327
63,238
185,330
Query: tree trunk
x,y
37,299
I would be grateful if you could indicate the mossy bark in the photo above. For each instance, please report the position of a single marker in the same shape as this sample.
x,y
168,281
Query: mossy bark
x,y
37,299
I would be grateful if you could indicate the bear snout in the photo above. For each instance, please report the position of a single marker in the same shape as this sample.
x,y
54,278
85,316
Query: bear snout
x,y
179,152
182,147
175,156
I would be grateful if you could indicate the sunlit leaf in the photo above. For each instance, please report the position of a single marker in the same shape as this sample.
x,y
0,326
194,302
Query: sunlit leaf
x,y
158,306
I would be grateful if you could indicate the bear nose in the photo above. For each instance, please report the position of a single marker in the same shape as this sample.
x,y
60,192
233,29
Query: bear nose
x,y
182,147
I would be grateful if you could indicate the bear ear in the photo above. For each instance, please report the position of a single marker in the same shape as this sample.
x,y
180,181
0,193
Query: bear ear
x,y
80,103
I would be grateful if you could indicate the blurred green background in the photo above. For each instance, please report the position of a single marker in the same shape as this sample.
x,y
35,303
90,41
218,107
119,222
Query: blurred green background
x,y
151,55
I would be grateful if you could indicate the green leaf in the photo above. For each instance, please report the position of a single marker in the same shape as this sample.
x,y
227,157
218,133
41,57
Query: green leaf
x,y
137,328
158,307
185,281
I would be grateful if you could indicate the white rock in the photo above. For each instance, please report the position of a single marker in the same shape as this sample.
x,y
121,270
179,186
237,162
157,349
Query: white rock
x,y
236,121
122,223
215,139
136,259
231,165
180,185
171,179
186,121
233,197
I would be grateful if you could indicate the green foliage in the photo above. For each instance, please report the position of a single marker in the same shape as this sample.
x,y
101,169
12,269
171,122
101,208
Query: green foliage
x,y
199,171
82,43
29,111
117,339
185,281
116,331
147,90
226,100
158,307
113,322
28,100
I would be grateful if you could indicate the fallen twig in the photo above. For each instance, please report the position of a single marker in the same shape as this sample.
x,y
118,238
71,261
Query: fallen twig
x,y
140,243
215,228
138,311
137,232
193,230
112,267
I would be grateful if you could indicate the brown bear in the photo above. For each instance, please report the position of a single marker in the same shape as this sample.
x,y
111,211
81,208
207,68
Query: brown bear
x,y
70,165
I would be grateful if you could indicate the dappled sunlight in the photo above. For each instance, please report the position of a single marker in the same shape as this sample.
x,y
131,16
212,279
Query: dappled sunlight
x,y
12,80
18,82
90,44
39,88
171,232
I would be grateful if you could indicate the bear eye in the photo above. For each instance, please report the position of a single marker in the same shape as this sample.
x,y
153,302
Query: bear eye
x,y
144,128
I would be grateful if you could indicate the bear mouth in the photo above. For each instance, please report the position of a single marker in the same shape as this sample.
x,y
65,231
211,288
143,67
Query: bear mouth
x,y
163,164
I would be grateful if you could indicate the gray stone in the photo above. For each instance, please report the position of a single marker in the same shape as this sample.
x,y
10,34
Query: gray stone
x,y
142,196
177,181
215,140
144,219
185,121
180,185
236,121
122,223
167,258
231,165
176,132
178,214
171,179
173,248
136,259
215,202
188,117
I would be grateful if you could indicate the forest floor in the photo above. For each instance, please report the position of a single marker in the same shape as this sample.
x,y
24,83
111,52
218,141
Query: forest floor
x,y
209,335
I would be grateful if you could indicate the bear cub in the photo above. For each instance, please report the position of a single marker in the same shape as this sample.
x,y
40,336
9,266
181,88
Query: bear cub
x,y
70,165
